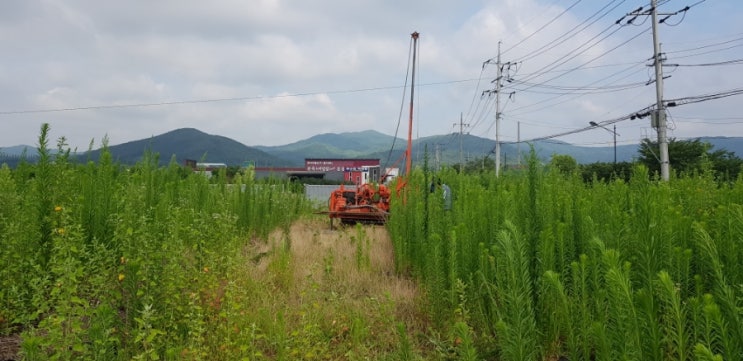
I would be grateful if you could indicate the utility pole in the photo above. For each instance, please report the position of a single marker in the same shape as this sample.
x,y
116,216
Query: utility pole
x,y
408,158
497,112
498,85
461,147
518,144
661,115
615,143
614,132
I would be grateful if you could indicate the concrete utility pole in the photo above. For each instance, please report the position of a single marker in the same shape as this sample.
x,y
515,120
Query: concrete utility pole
x,y
518,144
461,147
498,85
497,112
661,115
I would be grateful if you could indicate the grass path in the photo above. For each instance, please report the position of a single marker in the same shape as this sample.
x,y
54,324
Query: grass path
x,y
314,293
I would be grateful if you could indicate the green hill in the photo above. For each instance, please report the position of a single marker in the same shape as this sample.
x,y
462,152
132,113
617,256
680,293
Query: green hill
x,y
189,143
332,145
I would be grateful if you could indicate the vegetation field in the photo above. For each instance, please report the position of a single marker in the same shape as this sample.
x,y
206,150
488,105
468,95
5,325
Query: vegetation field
x,y
104,262
541,265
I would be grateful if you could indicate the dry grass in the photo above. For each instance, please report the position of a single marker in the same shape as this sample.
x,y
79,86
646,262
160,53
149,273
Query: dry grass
x,y
340,283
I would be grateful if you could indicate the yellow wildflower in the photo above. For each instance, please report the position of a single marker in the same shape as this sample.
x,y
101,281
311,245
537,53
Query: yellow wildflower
x,y
206,269
121,277
60,230
57,208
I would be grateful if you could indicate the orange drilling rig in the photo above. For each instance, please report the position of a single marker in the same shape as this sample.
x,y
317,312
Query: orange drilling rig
x,y
370,203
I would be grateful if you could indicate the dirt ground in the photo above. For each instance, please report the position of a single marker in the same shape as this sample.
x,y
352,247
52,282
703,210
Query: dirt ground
x,y
355,261
9,346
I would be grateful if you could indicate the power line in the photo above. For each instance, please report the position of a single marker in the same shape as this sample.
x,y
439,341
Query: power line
x,y
708,52
645,112
218,100
484,112
597,57
582,68
559,61
711,118
569,93
474,96
728,62
705,40
705,46
703,98
566,36
543,26
550,68
579,89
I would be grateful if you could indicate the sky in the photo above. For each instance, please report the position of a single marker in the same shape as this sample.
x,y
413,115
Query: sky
x,y
273,72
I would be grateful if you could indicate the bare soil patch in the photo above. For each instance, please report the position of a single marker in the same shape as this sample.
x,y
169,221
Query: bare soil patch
x,y
9,347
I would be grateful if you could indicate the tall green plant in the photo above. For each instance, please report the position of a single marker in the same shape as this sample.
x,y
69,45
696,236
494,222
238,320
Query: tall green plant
x,y
729,320
624,330
517,332
674,318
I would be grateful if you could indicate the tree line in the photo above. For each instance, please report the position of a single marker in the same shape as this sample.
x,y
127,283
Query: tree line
x,y
685,156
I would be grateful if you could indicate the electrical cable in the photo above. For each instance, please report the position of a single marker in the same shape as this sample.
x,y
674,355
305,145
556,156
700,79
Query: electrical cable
x,y
705,46
597,57
721,63
559,61
708,52
543,26
402,105
644,112
712,118
484,113
553,98
565,36
702,98
474,96
579,89
218,100
579,94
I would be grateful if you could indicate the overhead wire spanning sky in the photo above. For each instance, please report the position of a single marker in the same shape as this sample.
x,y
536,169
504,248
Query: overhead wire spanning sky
x,y
549,95
272,72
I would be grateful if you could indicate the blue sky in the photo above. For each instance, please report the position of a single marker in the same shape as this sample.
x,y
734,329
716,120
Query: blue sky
x,y
270,72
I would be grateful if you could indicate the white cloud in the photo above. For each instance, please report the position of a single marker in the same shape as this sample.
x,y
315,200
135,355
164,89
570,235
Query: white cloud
x,y
79,53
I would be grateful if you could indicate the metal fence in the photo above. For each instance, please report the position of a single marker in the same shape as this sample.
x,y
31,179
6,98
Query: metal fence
x,y
319,194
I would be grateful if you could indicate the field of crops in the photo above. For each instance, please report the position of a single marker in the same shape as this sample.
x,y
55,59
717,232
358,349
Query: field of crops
x,y
538,265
